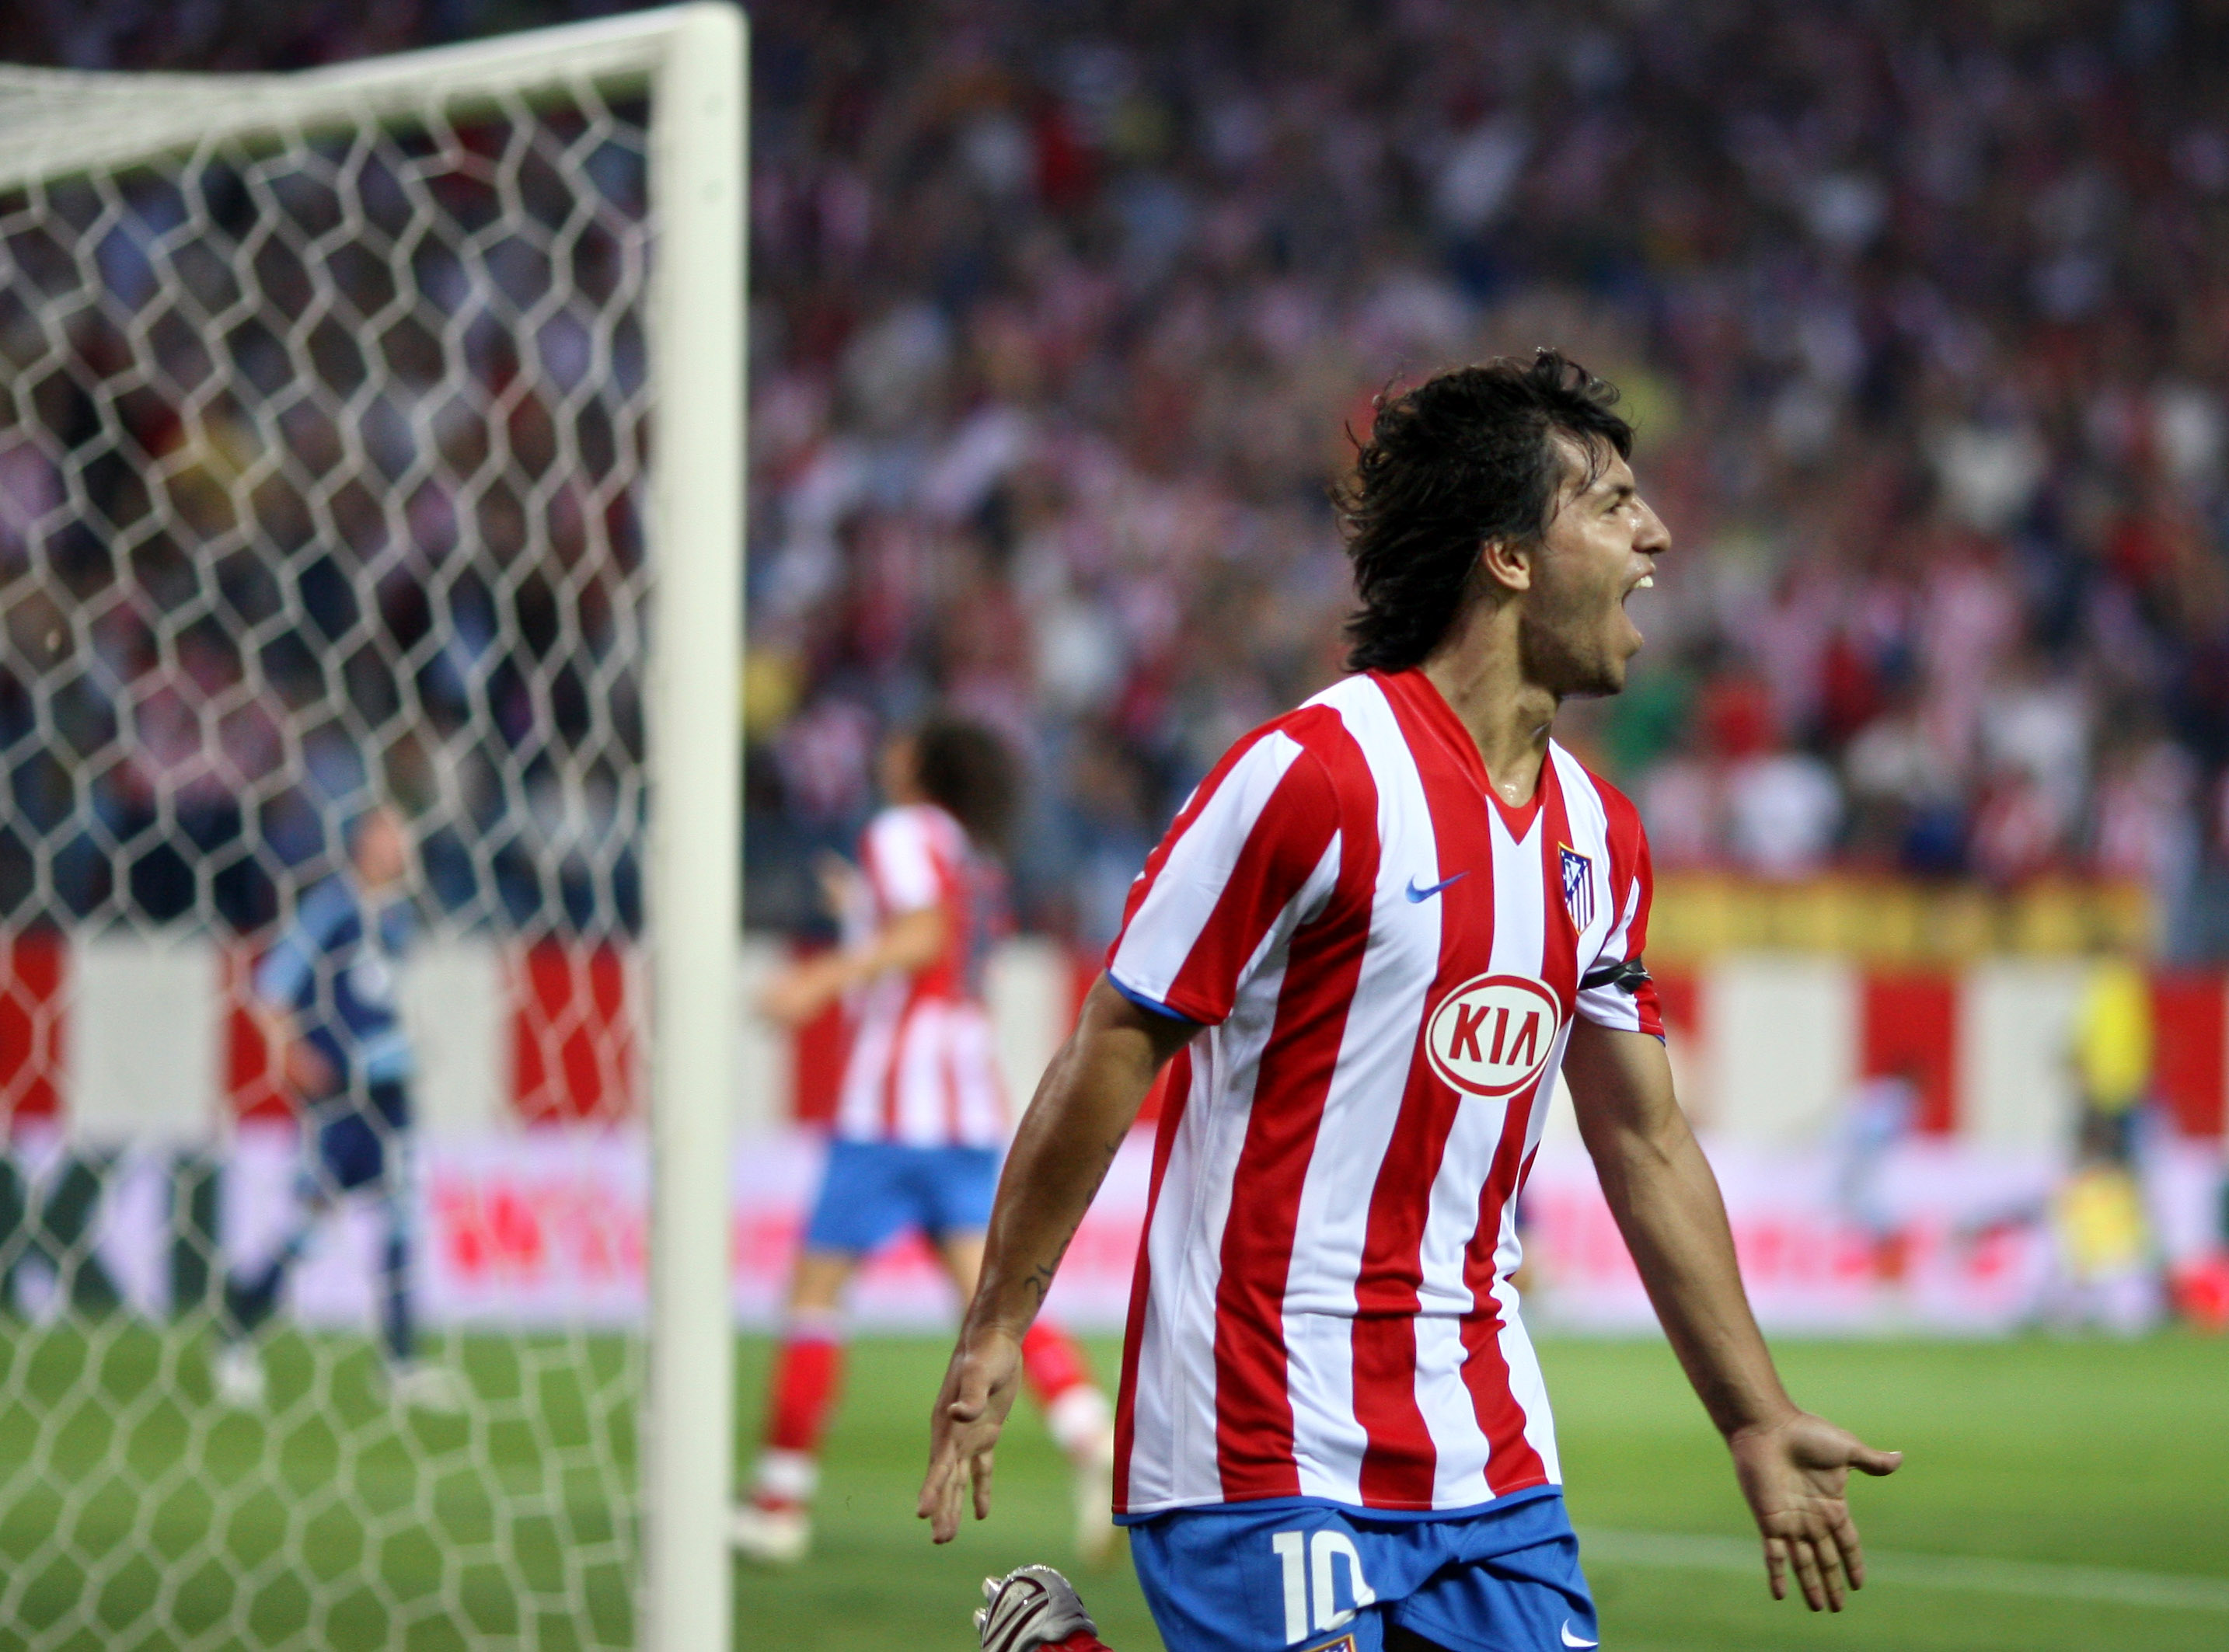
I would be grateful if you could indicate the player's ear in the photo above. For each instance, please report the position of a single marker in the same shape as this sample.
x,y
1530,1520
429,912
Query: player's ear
x,y
1507,564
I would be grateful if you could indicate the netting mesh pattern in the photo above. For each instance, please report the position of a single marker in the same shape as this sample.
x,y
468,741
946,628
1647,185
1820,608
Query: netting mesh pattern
x,y
322,474
318,468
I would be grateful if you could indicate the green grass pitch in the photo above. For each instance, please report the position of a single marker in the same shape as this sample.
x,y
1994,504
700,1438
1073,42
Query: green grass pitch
x,y
137,1515
2081,1455
2098,1470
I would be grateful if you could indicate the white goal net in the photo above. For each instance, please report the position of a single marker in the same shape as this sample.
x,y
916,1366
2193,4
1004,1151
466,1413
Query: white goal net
x,y
369,523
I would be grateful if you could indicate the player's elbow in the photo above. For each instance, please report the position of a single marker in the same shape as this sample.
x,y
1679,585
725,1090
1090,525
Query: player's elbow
x,y
1156,1034
914,940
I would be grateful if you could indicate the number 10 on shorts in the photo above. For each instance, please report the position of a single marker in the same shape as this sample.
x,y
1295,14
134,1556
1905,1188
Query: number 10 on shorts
x,y
1305,1559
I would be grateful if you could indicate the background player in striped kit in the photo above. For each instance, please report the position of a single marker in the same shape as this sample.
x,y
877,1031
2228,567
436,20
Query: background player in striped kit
x,y
324,1000
1368,942
921,1115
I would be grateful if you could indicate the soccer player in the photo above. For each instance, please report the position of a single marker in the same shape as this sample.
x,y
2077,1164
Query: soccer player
x,y
920,1117
324,1001
1365,947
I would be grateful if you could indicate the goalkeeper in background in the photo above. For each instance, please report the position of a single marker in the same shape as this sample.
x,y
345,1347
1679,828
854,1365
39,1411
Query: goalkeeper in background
x,y
324,1001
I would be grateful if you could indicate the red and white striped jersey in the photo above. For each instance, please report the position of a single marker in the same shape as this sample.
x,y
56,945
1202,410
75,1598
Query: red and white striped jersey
x,y
1384,960
923,1070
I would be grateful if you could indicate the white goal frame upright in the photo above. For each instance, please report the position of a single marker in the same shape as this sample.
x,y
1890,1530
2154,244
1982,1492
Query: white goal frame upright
x,y
691,59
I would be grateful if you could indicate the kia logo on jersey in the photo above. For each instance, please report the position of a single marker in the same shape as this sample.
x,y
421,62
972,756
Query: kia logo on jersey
x,y
1492,1035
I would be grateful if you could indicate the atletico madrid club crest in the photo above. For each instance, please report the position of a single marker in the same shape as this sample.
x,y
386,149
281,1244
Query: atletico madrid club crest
x,y
1578,887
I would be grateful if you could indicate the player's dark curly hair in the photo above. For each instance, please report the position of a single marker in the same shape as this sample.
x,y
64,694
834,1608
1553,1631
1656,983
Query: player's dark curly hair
x,y
1463,459
967,772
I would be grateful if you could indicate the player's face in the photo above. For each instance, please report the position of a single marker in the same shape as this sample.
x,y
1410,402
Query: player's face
x,y
1601,546
382,850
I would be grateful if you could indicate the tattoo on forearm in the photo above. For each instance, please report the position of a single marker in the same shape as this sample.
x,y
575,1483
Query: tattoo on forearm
x,y
1040,1279
1037,1283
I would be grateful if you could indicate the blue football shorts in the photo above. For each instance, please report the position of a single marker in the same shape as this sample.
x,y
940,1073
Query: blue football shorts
x,y
871,1191
1325,1577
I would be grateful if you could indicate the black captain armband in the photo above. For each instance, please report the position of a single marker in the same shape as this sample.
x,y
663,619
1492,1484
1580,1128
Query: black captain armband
x,y
1626,976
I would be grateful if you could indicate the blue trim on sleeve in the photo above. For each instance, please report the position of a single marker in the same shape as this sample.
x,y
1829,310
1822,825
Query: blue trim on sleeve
x,y
1144,1003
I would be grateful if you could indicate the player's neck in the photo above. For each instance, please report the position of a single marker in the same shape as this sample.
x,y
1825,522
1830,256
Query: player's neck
x,y
1479,672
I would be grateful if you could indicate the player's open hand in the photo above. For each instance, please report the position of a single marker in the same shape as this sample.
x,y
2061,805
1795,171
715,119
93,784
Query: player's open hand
x,y
971,1408
843,886
794,996
1795,1473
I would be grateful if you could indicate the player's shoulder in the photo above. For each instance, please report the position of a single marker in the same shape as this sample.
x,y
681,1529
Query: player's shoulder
x,y
1318,761
1331,727
913,833
909,822
324,914
1310,763
1588,794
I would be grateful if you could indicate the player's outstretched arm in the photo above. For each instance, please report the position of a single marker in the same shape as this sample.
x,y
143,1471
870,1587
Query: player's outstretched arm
x,y
910,941
1793,1467
1085,1103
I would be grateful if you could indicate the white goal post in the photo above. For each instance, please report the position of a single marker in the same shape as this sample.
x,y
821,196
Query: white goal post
x,y
682,483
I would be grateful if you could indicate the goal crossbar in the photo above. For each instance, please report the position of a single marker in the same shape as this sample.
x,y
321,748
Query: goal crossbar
x,y
45,135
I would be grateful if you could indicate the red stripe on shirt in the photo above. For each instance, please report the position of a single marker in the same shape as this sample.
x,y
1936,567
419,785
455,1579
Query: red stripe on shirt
x,y
1628,854
1254,1410
1177,1094
1511,1464
893,1062
1399,1463
1287,843
1201,796
951,1065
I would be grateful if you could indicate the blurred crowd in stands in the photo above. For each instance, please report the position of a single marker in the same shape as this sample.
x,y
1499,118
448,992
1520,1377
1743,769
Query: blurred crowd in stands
x,y
1923,314
285,533
1062,313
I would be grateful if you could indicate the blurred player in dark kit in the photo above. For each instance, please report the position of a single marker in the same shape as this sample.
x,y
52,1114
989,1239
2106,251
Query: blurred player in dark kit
x,y
324,1000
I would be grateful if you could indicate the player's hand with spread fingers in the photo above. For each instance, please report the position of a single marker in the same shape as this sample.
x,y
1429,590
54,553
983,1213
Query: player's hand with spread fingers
x,y
979,1390
1796,1474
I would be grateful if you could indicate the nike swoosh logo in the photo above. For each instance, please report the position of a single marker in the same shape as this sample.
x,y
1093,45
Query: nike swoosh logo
x,y
1571,1639
1417,894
